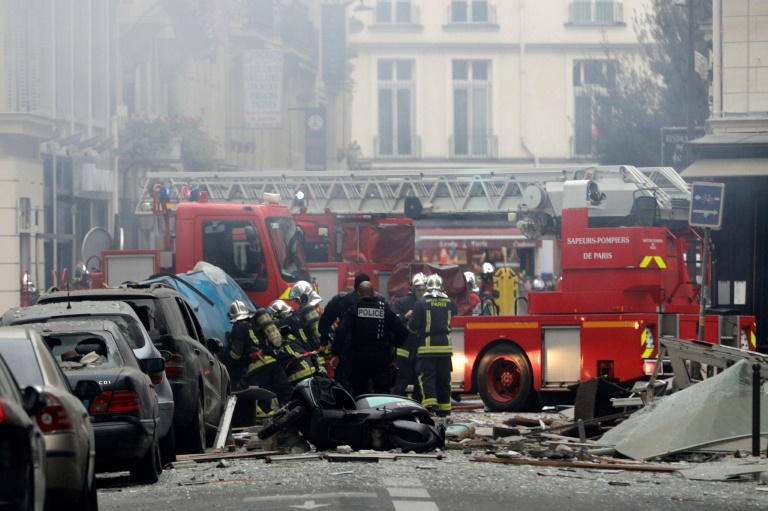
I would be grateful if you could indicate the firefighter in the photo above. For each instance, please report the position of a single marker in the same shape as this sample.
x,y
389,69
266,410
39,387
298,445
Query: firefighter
x,y
406,356
255,339
431,321
474,292
304,322
294,356
331,315
374,330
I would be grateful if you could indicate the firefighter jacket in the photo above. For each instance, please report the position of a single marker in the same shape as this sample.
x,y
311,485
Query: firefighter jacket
x,y
250,347
401,308
431,321
295,361
371,327
301,340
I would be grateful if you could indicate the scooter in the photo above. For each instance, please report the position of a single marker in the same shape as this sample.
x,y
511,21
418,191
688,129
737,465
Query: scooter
x,y
328,416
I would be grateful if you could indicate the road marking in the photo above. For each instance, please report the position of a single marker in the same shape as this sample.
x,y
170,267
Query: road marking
x,y
310,504
343,495
413,493
414,505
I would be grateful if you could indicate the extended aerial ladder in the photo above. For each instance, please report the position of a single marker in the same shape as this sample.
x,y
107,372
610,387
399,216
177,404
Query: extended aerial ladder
x,y
437,192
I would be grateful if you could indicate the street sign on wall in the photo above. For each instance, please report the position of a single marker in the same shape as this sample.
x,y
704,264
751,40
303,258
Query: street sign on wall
x,y
707,205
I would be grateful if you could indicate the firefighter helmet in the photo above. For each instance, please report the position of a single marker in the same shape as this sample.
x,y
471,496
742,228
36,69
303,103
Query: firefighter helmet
x,y
418,281
238,310
303,293
471,281
434,283
279,309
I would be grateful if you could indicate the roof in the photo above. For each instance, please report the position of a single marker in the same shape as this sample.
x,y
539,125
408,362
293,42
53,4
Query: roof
x,y
732,167
731,138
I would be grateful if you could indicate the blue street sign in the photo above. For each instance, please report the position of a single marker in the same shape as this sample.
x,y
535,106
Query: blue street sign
x,y
707,205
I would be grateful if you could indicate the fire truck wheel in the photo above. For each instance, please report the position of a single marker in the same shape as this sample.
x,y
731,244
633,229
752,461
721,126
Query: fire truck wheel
x,y
504,379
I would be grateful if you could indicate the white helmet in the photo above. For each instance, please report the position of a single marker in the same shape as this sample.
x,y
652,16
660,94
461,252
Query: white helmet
x,y
434,283
238,310
471,281
279,309
488,268
538,285
418,280
303,293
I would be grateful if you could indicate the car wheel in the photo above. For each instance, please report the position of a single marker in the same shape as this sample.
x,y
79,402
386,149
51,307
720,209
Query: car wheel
x,y
194,435
144,470
168,447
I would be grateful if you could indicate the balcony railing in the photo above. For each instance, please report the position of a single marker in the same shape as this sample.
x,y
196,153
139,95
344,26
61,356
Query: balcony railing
x,y
474,146
407,149
596,13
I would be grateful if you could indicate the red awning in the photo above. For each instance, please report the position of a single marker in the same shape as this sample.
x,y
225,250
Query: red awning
x,y
472,238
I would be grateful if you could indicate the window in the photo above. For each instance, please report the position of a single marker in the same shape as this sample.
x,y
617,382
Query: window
x,y
235,247
592,80
25,213
395,108
469,11
471,109
598,12
394,11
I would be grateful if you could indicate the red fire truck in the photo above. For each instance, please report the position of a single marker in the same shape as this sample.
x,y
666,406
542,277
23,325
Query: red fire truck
x,y
628,261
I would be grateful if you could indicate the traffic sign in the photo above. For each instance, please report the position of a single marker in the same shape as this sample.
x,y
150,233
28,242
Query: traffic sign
x,y
707,205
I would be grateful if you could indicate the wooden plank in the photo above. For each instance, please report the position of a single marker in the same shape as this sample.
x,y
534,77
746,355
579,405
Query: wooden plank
x,y
216,456
225,423
576,464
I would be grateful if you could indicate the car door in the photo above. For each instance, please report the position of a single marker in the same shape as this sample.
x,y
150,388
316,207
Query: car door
x,y
213,378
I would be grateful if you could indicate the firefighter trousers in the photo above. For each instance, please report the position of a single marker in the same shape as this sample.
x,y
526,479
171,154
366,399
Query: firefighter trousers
x,y
406,374
271,377
434,378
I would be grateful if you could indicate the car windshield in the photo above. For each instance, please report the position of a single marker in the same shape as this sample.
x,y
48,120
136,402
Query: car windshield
x,y
130,328
288,245
21,358
84,350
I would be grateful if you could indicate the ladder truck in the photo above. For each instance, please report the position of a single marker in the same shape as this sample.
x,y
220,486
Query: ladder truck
x,y
628,263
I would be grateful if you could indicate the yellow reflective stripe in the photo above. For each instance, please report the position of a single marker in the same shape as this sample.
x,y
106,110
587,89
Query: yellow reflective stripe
x,y
300,375
234,355
403,353
430,401
434,349
609,324
647,261
753,339
260,363
428,327
444,407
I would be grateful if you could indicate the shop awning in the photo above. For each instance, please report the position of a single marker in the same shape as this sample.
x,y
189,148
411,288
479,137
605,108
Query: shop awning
x,y
472,238
736,167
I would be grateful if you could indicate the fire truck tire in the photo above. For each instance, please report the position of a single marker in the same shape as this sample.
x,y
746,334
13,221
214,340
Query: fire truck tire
x,y
504,379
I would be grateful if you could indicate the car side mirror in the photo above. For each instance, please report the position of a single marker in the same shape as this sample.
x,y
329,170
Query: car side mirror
x,y
152,365
33,400
214,345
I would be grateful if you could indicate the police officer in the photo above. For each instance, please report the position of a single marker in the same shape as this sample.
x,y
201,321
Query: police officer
x,y
255,338
431,321
374,330
406,356
331,315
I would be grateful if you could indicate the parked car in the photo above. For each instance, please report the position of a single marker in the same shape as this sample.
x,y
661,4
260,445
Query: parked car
x,y
133,331
22,464
66,426
117,390
199,380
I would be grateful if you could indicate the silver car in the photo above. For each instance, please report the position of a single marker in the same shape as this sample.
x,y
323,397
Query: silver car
x,y
130,325
65,423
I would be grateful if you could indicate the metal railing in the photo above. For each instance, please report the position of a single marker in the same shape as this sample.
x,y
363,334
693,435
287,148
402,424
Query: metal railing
x,y
596,13
395,150
470,15
474,146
